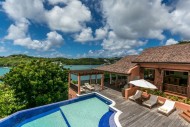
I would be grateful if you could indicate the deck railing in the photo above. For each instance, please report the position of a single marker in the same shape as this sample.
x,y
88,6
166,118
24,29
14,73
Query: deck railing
x,y
175,89
74,87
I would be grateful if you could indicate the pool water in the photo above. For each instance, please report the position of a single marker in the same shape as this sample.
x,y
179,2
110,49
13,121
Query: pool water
x,y
84,113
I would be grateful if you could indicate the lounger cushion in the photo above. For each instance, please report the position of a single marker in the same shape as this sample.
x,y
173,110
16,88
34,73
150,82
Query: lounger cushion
x,y
136,96
168,107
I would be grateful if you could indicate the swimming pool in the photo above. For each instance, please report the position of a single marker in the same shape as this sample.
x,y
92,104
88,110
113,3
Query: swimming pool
x,y
91,110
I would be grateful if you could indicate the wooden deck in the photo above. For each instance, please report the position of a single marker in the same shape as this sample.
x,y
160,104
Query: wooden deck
x,y
135,115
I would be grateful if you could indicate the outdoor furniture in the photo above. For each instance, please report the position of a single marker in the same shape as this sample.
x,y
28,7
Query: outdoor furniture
x,y
151,101
143,83
167,108
82,90
88,86
136,96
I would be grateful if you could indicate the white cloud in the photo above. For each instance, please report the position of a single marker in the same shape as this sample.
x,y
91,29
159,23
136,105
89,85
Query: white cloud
x,y
131,19
53,2
85,35
109,53
17,30
113,42
180,19
69,18
171,41
29,9
18,33
101,33
58,54
2,49
53,40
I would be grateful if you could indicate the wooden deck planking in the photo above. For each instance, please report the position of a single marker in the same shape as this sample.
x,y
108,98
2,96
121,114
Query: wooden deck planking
x,y
137,115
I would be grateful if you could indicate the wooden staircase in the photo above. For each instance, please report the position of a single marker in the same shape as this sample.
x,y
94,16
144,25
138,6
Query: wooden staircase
x,y
186,115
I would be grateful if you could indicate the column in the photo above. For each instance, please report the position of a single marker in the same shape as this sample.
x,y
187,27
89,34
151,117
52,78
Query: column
x,y
188,85
116,77
141,73
79,82
162,80
110,79
102,82
69,82
90,79
96,79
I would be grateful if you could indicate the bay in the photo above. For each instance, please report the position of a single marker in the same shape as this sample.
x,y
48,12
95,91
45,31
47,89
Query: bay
x,y
4,70
82,67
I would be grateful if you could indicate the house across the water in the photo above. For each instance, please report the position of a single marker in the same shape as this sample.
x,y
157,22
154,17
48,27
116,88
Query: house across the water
x,y
167,67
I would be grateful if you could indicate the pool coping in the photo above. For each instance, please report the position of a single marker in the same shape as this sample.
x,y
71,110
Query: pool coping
x,y
118,112
9,120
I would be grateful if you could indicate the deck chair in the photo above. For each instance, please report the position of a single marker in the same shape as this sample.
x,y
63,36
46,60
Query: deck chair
x,y
151,101
167,108
88,86
136,96
82,90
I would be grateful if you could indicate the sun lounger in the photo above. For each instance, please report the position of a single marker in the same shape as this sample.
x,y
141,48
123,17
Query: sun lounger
x,y
167,108
151,101
82,90
88,86
136,96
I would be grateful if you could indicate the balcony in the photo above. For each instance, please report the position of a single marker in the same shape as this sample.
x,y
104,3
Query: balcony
x,y
181,90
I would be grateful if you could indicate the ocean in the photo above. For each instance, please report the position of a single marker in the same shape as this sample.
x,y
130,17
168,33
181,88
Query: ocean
x,y
4,70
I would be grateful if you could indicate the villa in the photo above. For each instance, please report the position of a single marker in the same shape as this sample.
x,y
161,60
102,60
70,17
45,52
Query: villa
x,y
99,102
167,67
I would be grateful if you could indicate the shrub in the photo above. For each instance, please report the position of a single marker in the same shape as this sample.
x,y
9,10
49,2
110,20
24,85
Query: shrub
x,y
38,82
8,102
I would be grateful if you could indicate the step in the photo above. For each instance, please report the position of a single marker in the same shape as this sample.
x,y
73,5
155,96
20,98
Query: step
x,y
187,113
185,117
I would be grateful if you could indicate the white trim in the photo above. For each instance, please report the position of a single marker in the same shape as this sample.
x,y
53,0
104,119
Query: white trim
x,y
118,112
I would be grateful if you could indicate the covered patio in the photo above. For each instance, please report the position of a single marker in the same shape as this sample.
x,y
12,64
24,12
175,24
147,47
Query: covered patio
x,y
118,75
85,86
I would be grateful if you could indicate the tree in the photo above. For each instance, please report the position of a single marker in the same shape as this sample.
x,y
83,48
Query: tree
x,y
8,103
38,82
183,42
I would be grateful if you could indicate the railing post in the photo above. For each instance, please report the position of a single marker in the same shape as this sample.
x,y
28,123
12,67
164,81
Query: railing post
x,y
79,82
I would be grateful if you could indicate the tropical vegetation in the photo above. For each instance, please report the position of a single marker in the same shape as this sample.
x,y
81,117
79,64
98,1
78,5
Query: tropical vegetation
x,y
32,84
171,97
14,60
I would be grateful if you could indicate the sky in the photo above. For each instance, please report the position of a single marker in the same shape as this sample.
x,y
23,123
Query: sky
x,y
90,28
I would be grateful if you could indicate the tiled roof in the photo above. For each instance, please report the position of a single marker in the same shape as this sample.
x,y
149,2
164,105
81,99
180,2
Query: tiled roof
x,y
121,67
165,54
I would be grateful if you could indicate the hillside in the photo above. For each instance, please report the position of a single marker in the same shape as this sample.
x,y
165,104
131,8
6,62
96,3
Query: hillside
x,y
13,60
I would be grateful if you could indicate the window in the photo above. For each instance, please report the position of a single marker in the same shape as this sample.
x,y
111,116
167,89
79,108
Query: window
x,y
149,74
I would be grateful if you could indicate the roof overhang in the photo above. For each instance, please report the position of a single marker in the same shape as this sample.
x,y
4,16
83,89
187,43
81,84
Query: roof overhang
x,y
86,72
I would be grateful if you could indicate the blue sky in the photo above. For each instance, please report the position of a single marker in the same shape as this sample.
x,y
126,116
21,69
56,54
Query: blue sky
x,y
90,28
